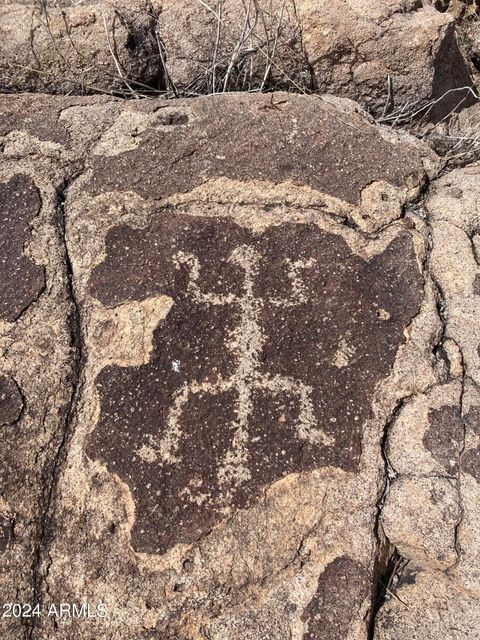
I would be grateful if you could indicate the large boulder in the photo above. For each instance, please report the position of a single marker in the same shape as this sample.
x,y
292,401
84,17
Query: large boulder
x,y
86,48
236,300
395,58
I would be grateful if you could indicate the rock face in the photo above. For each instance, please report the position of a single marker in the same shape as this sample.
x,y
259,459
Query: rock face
x,y
36,333
87,47
239,370
360,49
205,411
441,461
364,50
232,303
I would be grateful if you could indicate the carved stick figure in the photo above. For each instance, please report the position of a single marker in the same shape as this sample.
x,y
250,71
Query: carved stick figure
x,y
246,342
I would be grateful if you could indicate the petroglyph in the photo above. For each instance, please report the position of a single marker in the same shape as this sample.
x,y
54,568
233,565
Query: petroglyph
x,y
246,342
242,384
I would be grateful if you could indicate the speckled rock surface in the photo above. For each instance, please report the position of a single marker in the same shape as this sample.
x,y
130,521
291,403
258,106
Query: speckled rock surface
x,y
441,529
37,353
239,374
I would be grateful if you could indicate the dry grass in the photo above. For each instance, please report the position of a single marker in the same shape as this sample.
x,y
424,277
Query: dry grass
x,y
251,53
416,114
248,56
456,149
249,60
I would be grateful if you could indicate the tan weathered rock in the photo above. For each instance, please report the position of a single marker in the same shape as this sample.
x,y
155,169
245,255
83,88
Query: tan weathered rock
x,y
432,425
391,56
419,518
233,46
453,206
429,606
37,360
441,430
454,262
88,47
458,8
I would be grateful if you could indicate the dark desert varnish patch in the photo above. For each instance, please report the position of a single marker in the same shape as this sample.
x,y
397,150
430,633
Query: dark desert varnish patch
x,y
264,366
471,457
342,587
21,280
11,402
476,285
5,532
444,437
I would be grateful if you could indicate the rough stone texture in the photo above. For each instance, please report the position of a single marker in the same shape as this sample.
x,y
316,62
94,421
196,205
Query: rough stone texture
x,y
355,47
36,356
395,57
236,303
233,46
431,607
419,518
442,430
341,588
458,138
239,372
88,47
192,144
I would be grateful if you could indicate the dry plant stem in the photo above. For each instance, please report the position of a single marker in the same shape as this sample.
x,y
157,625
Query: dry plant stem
x,y
217,42
404,114
170,84
112,52
257,47
245,35
274,49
